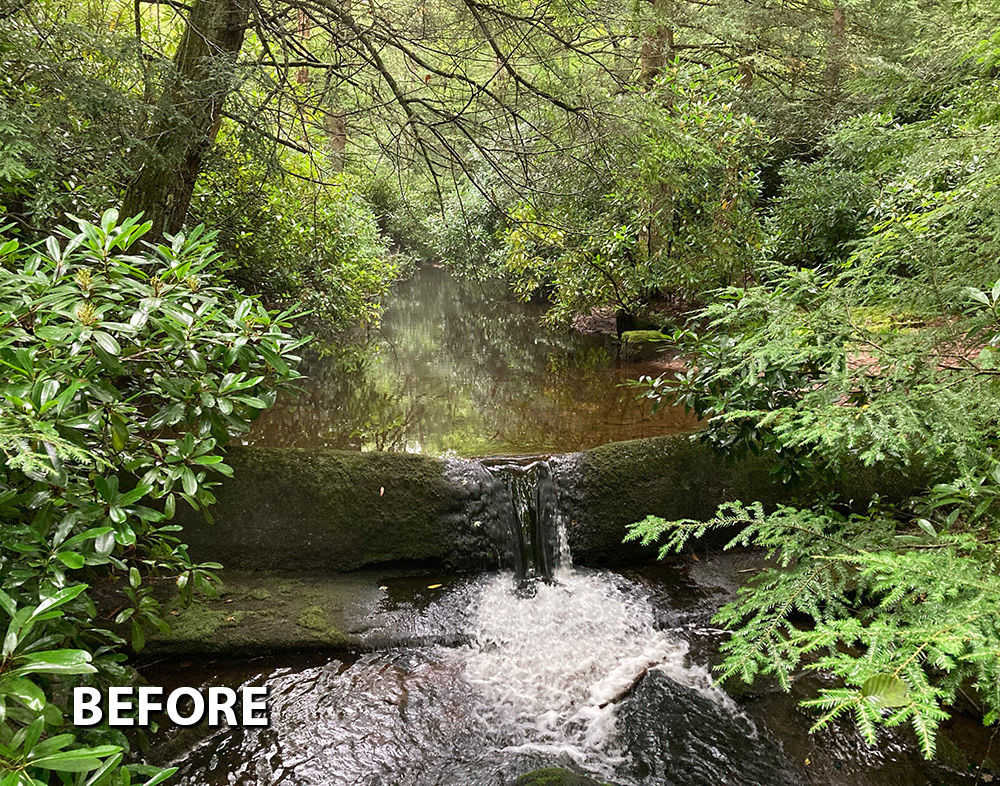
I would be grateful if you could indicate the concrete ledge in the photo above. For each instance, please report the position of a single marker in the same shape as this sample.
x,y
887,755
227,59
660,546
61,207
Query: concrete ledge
x,y
290,510
263,614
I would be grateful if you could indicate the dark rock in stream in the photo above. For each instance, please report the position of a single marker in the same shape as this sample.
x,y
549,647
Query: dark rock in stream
x,y
555,776
679,737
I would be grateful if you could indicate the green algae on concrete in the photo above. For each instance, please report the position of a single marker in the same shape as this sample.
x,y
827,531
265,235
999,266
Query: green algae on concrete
x,y
330,512
257,614
611,487
313,618
333,510
605,490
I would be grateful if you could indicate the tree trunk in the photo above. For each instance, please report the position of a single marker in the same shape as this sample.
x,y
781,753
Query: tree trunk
x,y
336,129
189,113
657,45
835,51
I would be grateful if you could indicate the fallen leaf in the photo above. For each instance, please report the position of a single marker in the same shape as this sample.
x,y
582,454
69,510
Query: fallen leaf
x,y
433,586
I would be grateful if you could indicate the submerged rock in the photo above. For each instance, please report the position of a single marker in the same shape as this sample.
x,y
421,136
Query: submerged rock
x,y
555,776
678,736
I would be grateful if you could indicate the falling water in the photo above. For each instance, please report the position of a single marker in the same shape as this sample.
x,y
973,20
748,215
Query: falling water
x,y
525,502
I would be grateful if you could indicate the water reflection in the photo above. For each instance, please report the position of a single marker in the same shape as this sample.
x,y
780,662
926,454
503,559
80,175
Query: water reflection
x,y
461,368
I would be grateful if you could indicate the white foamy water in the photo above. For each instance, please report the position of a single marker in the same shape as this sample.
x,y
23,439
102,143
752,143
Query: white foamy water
x,y
549,668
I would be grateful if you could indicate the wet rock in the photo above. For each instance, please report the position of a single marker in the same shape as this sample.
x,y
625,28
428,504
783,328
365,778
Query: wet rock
x,y
264,614
707,742
642,344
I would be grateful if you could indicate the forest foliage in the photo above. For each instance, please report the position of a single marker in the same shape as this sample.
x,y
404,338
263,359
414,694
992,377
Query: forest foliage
x,y
869,338
126,372
819,179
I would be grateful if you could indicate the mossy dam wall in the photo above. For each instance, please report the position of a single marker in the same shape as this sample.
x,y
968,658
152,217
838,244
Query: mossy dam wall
x,y
335,511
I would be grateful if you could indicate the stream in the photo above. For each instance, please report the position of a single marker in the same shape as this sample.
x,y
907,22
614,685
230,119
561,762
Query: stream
x,y
475,680
462,368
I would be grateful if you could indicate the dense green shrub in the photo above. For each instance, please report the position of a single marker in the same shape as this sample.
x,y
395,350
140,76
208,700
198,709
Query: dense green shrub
x,y
126,371
822,208
884,355
64,117
294,241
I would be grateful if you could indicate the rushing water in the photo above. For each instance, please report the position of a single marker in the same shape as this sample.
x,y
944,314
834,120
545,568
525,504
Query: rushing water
x,y
539,680
524,504
541,658
462,368
540,665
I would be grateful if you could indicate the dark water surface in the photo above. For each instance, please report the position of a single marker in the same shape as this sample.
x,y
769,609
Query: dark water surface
x,y
461,368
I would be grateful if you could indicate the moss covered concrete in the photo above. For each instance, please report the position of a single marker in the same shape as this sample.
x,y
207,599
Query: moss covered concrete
x,y
294,510
258,614
606,489
643,344
330,512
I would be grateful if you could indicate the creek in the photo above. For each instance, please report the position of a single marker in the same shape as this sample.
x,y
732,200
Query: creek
x,y
462,368
474,680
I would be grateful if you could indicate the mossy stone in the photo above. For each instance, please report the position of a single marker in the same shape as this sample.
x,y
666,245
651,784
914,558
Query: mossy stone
x,y
313,618
290,511
605,490
258,614
643,344
331,510
556,776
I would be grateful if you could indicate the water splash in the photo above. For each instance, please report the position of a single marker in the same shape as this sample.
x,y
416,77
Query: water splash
x,y
550,669
538,681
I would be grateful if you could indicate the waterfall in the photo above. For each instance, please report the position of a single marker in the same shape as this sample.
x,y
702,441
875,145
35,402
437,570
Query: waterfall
x,y
488,677
524,502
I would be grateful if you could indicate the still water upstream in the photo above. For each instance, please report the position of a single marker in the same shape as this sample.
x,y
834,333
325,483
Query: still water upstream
x,y
462,368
